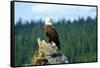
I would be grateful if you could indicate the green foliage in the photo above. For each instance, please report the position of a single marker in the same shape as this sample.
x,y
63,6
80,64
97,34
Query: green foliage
x,y
78,39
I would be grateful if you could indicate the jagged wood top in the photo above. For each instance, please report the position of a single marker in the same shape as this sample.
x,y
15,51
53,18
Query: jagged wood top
x,y
48,53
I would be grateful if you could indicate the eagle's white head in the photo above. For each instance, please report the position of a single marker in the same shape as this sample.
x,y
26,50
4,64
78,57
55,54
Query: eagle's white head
x,y
48,21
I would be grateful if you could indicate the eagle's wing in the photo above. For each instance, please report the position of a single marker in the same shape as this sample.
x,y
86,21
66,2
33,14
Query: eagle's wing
x,y
52,34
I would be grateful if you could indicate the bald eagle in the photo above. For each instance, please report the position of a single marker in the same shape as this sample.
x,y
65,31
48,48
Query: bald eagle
x,y
51,33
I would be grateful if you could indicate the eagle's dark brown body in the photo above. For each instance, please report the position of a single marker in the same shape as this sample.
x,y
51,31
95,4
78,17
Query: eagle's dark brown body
x,y
52,35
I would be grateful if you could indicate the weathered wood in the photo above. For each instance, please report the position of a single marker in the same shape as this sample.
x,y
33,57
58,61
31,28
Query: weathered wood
x,y
48,53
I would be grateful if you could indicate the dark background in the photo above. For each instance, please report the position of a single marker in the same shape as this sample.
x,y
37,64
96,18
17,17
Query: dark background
x,y
78,39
